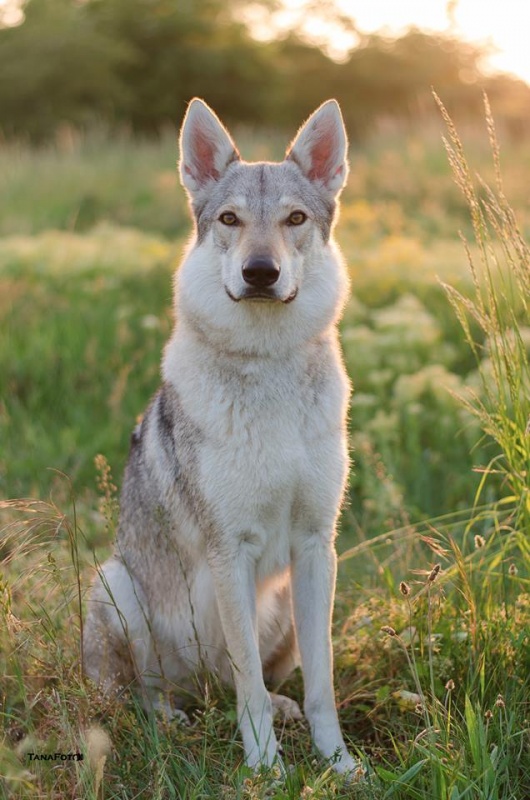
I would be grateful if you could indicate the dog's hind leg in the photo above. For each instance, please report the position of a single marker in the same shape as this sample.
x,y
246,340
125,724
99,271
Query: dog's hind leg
x,y
279,650
285,708
118,645
111,640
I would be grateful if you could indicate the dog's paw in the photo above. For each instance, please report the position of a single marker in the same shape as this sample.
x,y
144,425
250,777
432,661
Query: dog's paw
x,y
288,710
274,774
354,771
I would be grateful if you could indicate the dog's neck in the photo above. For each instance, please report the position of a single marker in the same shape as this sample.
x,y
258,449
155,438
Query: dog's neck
x,y
212,353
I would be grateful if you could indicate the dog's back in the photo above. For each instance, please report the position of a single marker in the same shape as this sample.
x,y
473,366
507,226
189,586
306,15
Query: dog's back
x,y
237,471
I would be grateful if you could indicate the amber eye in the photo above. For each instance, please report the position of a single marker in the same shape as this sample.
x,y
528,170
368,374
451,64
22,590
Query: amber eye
x,y
296,218
228,218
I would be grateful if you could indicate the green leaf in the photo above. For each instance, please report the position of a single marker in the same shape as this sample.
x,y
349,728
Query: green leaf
x,y
407,777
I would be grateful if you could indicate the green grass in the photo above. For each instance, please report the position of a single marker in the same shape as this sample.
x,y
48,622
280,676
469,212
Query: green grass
x,y
432,667
84,330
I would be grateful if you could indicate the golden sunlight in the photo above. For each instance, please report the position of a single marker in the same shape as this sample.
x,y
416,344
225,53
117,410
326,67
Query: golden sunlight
x,y
503,26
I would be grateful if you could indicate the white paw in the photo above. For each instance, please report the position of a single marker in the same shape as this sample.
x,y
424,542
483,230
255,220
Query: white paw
x,y
349,766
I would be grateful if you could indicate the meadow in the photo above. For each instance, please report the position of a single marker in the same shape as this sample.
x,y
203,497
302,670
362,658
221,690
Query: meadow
x,y
432,619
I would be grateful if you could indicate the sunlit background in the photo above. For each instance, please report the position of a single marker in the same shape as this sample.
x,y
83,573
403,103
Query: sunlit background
x,y
501,27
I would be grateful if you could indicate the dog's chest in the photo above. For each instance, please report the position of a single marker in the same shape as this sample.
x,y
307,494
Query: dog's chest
x,y
256,435
264,434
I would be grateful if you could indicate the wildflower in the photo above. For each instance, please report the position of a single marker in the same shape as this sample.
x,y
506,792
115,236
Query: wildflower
x,y
512,570
479,542
404,588
488,715
389,630
499,702
450,685
434,573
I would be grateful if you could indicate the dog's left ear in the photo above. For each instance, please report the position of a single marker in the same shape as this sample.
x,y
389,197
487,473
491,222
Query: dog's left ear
x,y
320,148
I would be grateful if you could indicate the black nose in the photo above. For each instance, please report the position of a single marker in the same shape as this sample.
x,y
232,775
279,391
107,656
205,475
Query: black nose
x,y
261,271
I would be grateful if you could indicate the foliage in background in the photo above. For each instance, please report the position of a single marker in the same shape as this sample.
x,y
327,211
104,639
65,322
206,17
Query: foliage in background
x,y
136,63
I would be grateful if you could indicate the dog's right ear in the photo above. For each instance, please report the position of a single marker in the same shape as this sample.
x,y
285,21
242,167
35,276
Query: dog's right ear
x,y
320,148
206,148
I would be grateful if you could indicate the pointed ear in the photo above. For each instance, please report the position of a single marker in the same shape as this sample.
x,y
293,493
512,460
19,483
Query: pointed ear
x,y
206,148
320,148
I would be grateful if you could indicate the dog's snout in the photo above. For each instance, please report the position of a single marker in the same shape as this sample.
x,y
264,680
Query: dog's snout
x,y
261,271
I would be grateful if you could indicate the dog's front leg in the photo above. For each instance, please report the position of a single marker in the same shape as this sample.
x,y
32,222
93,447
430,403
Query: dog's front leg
x,y
313,582
233,571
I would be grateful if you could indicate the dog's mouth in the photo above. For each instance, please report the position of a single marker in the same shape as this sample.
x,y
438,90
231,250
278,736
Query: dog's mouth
x,y
262,295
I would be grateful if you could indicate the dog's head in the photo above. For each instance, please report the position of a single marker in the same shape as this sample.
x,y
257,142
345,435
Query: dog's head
x,y
263,229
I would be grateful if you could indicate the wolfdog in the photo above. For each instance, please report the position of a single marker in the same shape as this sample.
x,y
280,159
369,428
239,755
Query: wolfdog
x,y
225,559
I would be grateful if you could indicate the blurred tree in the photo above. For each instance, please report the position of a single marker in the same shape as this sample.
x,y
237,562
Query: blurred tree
x,y
382,78
194,47
393,78
139,62
57,66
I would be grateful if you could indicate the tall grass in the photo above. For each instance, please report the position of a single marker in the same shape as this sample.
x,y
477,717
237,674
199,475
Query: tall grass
x,y
500,307
464,636
495,588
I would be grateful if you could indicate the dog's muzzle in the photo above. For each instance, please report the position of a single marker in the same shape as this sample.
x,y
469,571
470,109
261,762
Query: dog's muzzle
x,y
260,274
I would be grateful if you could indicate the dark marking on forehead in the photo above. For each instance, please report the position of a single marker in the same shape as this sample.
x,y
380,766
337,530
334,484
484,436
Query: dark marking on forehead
x,y
261,190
